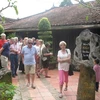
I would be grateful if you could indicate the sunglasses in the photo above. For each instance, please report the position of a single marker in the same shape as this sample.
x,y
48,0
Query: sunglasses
x,y
30,43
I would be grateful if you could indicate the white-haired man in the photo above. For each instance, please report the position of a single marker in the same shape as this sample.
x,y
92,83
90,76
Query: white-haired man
x,y
29,54
2,41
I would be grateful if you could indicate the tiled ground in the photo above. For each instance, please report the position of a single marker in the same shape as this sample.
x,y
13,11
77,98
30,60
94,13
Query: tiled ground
x,y
47,88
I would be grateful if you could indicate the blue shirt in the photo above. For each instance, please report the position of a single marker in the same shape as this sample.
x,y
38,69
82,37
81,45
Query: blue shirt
x,y
6,50
29,55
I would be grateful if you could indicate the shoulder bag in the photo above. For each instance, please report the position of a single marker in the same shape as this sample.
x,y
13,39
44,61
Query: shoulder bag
x,y
70,72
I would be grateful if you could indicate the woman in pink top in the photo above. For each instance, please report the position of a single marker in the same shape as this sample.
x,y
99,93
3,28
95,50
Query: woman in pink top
x,y
96,68
63,57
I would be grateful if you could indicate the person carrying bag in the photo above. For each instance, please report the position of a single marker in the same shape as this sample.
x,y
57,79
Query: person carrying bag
x,y
63,58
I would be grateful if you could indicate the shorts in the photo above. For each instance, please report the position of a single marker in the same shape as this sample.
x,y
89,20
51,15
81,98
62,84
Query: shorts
x,y
45,64
4,61
29,69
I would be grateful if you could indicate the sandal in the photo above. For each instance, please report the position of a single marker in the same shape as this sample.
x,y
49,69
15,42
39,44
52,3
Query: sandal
x,y
65,89
47,77
38,75
33,87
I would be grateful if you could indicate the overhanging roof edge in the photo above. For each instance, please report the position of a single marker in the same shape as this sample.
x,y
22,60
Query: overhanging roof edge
x,y
56,28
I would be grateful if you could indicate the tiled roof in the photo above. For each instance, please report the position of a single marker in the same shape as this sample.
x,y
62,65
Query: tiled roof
x,y
7,20
59,16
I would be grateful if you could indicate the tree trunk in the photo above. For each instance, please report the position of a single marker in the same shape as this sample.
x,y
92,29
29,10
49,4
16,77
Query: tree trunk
x,y
86,86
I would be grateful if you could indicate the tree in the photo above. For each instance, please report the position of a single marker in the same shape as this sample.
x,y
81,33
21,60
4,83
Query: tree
x,y
82,1
1,29
11,3
90,5
44,27
66,3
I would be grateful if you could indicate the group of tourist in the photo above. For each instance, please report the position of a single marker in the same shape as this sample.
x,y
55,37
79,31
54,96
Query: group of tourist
x,y
32,56
28,54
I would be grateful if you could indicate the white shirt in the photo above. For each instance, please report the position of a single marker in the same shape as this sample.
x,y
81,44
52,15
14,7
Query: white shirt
x,y
38,49
63,66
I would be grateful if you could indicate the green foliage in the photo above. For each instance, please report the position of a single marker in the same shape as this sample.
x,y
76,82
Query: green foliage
x,y
44,26
11,35
53,59
66,3
3,19
7,91
45,35
1,29
87,18
98,1
15,8
12,4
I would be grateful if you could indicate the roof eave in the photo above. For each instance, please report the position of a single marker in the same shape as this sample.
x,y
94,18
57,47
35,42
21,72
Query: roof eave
x,y
55,27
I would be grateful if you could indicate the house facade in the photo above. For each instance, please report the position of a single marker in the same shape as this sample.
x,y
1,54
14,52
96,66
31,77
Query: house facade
x,y
66,24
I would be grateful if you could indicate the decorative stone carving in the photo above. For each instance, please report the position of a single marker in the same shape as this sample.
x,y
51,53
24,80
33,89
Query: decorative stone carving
x,y
87,48
5,75
3,71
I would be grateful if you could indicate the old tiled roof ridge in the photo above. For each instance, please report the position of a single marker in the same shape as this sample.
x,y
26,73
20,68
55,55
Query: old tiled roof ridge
x,y
59,16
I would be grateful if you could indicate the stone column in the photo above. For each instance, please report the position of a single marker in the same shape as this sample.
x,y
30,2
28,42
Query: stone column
x,y
86,85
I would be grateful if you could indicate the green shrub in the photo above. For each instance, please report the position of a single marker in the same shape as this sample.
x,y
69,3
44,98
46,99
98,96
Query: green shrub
x,y
7,91
53,59
44,26
9,36
1,29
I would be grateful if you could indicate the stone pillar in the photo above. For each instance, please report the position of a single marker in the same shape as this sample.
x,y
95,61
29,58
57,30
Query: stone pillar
x,y
86,85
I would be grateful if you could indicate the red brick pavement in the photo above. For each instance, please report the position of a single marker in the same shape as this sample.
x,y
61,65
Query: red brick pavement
x,y
43,93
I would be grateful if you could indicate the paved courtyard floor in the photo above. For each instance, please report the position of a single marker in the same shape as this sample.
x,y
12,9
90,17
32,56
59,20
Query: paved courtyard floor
x,y
46,88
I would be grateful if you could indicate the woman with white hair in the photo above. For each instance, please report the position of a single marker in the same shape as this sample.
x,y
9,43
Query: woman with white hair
x,y
63,57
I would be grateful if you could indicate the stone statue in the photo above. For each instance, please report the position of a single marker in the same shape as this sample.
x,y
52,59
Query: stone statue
x,y
87,48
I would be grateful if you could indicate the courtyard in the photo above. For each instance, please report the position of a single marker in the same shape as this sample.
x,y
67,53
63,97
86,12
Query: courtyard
x,y
47,88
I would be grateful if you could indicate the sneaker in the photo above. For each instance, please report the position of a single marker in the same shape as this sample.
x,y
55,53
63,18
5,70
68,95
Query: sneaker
x,y
60,95
47,77
33,87
13,76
